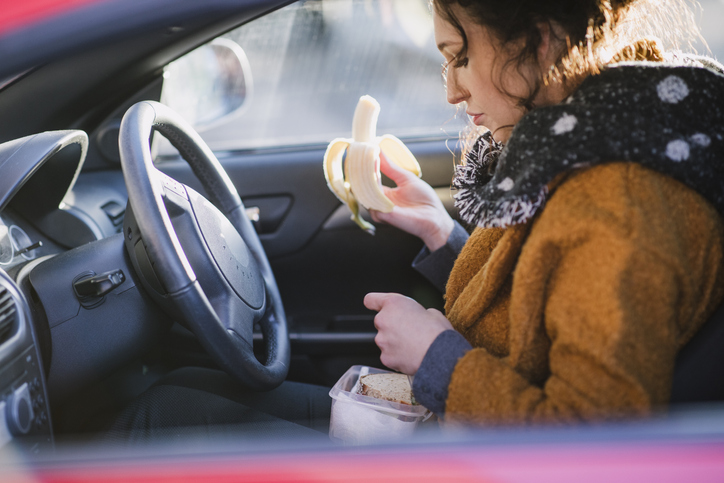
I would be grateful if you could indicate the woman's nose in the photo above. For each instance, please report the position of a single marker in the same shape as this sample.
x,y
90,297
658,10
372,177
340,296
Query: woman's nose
x,y
455,94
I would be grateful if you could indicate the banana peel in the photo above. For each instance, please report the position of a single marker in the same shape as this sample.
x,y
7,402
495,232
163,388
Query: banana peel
x,y
355,178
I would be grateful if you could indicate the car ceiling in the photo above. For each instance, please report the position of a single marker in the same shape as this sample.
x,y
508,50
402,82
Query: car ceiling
x,y
78,65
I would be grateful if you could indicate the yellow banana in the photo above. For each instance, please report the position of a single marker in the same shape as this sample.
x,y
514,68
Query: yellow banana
x,y
356,177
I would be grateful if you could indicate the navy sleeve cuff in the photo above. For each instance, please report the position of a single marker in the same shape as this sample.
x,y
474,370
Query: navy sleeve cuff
x,y
433,377
436,266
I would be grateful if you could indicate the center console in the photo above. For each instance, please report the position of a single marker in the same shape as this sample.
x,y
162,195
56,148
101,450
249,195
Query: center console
x,y
24,409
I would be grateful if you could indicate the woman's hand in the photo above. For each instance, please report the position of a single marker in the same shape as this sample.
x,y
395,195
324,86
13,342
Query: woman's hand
x,y
405,329
418,210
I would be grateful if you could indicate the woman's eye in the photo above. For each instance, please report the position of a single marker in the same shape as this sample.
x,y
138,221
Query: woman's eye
x,y
462,62
456,63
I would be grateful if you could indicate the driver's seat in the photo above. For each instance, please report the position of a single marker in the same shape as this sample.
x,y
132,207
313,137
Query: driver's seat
x,y
699,369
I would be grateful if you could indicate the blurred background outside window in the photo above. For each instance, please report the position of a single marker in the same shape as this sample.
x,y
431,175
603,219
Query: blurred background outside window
x,y
307,64
312,60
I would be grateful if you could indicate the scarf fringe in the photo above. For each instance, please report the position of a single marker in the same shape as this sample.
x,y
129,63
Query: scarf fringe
x,y
470,179
474,209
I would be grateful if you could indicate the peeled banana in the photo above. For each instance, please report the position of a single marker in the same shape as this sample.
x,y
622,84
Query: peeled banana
x,y
356,178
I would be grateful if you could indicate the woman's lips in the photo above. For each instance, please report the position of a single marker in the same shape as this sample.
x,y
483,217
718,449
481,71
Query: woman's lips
x,y
475,118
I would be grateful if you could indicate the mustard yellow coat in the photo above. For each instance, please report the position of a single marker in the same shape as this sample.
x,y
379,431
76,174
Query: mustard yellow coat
x,y
579,314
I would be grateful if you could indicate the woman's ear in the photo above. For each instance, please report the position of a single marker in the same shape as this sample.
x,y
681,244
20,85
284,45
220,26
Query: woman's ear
x,y
544,48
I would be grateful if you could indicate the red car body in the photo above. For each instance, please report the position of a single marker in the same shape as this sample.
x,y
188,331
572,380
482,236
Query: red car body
x,y
685,446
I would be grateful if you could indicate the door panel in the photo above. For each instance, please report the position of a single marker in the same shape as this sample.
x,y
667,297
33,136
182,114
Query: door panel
x,y
297,176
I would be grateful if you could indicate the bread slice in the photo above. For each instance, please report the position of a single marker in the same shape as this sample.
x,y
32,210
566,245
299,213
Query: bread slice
x,y
390,387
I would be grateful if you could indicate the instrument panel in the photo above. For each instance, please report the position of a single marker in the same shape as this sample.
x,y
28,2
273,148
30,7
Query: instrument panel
x,y
16,246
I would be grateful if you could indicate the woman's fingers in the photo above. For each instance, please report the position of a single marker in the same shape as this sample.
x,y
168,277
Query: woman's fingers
x,y
391,218
379,217
405,329
394,172
375,300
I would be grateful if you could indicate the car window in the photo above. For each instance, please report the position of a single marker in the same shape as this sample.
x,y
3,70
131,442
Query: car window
x,y
307,65
708,19
311,61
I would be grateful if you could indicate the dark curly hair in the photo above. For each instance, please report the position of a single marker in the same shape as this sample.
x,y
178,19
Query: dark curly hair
x,y
596,32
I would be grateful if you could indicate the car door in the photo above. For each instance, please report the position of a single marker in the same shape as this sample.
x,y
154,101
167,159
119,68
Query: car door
x,y
306,66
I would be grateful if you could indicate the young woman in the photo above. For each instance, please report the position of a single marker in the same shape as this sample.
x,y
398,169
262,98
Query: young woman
x,y
597,195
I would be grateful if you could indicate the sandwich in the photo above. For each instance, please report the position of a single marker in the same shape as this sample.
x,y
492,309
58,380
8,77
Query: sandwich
x,y
388,386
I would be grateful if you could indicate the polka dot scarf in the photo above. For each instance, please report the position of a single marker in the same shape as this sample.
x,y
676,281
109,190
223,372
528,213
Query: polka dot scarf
x,y
666,116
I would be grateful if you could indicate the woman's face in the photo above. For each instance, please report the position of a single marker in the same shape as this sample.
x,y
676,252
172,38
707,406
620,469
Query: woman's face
x,y
480,77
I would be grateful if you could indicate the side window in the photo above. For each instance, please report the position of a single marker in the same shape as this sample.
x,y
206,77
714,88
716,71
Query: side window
x,y
308,63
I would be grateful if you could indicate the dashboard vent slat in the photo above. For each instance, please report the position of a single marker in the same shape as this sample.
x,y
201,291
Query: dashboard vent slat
x,y
8,314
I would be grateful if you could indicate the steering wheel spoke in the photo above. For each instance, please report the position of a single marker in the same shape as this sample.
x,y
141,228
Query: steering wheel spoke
x,y
235,315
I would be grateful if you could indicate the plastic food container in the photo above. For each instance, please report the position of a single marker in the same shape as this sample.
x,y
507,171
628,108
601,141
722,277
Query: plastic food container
x,y
364,419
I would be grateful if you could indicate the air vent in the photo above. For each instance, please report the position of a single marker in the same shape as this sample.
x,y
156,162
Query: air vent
x,y
8,314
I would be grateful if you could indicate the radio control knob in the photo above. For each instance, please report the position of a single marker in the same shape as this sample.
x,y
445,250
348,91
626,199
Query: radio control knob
x,y
19,411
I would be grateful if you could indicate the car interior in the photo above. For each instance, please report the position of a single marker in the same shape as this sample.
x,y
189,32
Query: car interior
x,y
98,299
81,325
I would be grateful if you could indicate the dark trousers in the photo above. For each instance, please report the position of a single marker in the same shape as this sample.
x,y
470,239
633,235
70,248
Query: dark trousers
x,y
201,402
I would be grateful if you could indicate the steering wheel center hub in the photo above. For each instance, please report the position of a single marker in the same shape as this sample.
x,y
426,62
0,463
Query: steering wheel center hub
x,y
229,251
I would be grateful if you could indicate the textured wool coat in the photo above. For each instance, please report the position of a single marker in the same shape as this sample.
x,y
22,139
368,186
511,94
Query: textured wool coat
x,y
579,313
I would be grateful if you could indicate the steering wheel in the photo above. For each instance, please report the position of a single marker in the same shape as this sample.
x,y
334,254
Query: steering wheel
x,y
202,262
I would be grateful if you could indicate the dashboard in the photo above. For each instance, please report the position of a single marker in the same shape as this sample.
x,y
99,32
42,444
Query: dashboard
x,y
24,409
54,337
35,171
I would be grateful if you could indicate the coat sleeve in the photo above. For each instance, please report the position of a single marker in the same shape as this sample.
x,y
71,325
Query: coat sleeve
x,y
436,266
617,272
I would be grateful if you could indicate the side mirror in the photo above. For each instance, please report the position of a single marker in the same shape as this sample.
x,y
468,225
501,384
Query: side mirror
x,y
208,84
